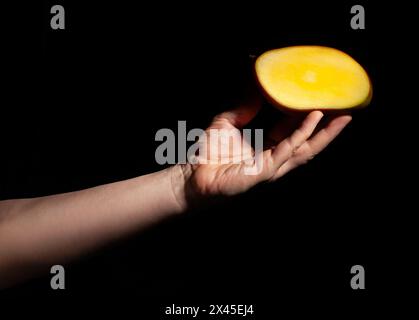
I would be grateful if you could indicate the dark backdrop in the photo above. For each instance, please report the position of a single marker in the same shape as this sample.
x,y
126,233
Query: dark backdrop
x,y
85,104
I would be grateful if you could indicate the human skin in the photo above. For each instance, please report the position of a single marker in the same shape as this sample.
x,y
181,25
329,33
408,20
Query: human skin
x,y
40,232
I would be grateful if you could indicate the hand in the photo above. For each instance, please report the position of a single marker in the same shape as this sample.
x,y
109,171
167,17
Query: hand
x,y
40,232
291,143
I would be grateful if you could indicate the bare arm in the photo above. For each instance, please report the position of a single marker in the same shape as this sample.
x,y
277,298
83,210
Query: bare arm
x,y
38,233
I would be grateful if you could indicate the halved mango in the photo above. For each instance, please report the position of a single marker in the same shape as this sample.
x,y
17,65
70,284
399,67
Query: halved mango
x,y
305,78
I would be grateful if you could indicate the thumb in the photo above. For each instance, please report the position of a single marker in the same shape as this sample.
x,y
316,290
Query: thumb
x,y
244,113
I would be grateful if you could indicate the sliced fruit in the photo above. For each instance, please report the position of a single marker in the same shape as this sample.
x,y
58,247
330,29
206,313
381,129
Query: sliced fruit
x,y
305,78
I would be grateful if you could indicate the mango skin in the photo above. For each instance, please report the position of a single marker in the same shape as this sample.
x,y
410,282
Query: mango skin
x,y
290,109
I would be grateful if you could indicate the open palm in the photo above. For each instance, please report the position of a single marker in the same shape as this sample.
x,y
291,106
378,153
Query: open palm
x,y
292,142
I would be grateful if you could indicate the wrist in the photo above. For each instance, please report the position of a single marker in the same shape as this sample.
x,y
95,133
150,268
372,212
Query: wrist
x,y
180,176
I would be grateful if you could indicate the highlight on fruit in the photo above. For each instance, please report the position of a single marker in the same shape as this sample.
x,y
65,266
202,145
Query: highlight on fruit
x,y
306,78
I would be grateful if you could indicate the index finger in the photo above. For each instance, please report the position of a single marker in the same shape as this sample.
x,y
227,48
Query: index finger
x,y
321,139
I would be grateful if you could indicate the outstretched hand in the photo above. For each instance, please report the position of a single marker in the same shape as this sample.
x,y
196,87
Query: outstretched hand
x,y
38,233
292,142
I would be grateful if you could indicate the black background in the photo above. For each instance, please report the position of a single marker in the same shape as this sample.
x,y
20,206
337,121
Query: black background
x,y
85,103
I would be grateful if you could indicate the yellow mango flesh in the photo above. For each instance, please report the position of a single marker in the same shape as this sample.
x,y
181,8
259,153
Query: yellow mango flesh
x,y
307,78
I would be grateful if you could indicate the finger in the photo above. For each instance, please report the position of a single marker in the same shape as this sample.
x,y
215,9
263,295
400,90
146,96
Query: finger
x,y
293,162
286,148
243,114
327,134
314,145
284,128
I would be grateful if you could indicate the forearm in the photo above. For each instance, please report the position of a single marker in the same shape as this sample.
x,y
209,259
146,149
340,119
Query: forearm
x,y
37,233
